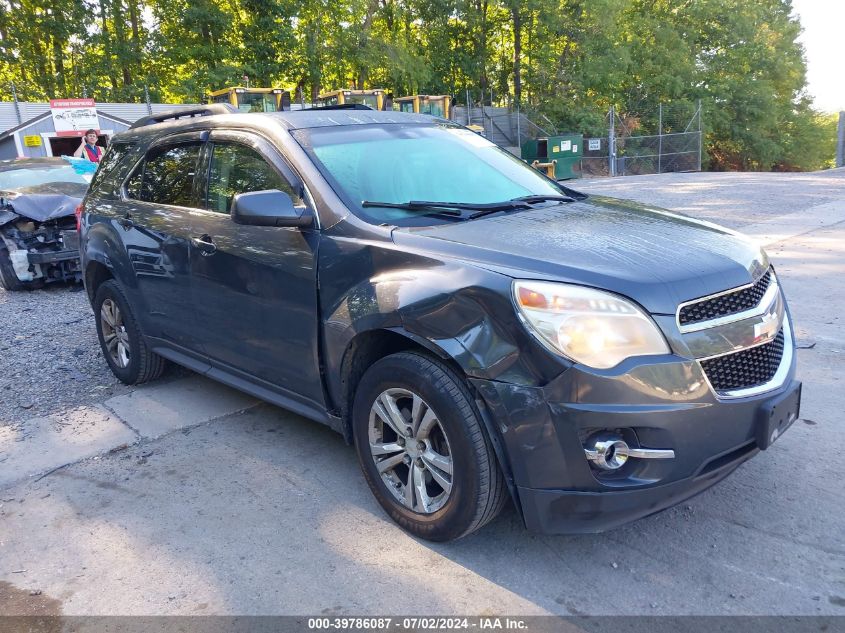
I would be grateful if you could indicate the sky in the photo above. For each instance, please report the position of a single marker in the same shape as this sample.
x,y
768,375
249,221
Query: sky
x,y
824,44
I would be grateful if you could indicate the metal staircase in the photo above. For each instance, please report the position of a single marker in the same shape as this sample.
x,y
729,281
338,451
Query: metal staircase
x,y
503,126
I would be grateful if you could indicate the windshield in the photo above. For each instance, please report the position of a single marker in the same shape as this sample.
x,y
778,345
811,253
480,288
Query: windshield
x,y
14,179
402,163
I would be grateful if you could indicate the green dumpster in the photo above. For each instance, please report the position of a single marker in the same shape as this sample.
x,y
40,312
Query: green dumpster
x,y
535,149
566,150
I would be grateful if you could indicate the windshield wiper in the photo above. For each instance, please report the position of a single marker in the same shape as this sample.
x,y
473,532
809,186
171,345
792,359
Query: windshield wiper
x,y
481,209
523,202
427,208
531,199
454,207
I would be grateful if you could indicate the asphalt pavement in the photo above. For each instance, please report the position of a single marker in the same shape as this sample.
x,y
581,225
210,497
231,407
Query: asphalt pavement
x,y
183,497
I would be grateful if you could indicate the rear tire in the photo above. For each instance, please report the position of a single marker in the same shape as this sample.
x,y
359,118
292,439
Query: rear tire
x,y
124,348
437,476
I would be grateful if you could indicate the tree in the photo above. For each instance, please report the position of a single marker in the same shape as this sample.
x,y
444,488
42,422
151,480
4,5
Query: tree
x,y
563,61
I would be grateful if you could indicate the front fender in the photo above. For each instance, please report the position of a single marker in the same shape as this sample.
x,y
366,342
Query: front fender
x,y
455,310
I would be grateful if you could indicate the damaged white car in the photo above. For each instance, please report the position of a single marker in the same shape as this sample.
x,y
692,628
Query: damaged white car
x,y
39,241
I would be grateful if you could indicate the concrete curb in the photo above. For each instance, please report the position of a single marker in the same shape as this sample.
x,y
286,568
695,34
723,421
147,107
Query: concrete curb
x,y
39,446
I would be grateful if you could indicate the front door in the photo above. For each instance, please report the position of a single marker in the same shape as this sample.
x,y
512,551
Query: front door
x,y
254,288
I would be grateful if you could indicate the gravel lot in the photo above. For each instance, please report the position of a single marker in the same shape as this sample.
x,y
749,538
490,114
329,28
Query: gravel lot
x,y
49,356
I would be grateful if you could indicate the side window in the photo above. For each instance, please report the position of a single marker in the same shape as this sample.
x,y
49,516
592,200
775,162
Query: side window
x,y
166,176
239,169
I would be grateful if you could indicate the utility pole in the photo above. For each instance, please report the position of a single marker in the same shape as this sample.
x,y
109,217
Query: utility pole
x,y
611,143
20,120
660,139
840,145
147,99
469,106
699,135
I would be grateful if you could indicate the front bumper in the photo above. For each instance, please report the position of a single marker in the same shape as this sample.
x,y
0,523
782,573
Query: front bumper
x,y
53,257
573,512
664,403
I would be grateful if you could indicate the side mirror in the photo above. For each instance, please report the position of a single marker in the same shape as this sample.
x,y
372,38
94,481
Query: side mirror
x,y
268,208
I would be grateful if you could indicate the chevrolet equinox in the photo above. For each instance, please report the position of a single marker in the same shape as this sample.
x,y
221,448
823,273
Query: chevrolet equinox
x,y
477,330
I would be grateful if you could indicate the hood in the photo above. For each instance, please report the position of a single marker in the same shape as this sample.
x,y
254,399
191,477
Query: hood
x,y
45,202
657,258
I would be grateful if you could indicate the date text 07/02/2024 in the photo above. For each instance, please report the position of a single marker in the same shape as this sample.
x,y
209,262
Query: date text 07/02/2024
x,y
417,623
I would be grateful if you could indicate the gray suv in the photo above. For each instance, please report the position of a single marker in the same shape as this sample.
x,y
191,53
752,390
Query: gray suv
x,y
478,331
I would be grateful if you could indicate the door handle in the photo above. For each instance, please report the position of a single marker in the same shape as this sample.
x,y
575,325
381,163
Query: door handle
x,y
126,221
204,244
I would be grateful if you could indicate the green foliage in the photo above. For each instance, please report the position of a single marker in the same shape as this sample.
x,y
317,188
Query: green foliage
x,y
567,61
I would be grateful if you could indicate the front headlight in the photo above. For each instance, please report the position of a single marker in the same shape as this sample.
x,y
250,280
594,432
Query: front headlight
x,y
592,327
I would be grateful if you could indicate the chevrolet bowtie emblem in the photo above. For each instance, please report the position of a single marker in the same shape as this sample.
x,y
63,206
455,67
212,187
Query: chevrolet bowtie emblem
x,y
767,328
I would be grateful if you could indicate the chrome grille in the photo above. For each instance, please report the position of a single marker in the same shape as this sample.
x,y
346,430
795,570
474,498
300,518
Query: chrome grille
x,y
747,368
723,305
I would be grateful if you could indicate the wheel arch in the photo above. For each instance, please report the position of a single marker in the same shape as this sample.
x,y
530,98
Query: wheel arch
x,y
366,348
101,244
96,273
370,346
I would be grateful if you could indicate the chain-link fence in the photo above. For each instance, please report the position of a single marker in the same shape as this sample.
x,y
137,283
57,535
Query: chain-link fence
x,y
595,160
667,140
664,140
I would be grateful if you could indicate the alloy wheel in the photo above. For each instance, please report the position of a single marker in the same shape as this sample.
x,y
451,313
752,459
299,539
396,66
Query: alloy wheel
x,y
115,336
410,450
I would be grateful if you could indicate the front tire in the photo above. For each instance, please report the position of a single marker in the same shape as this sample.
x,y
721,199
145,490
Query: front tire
x,y
8,279
124,348
423,450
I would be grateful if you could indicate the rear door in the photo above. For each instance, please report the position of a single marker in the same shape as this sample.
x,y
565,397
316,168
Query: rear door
x,y
254,288
159,196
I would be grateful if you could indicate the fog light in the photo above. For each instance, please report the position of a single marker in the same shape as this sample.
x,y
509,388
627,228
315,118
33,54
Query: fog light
x,y
608,454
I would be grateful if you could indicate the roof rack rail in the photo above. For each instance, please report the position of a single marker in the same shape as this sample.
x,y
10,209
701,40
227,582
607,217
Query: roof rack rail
x,y
343,106
203,110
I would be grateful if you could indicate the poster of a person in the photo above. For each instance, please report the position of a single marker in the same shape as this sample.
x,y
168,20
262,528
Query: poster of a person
x,y
89,148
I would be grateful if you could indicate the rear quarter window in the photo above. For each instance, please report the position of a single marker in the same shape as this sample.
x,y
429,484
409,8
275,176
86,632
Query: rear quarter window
x,y
166,175
113,166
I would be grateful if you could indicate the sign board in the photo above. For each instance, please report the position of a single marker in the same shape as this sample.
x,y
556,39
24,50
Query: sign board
x,y
32,140
565,146
593,144
72,117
